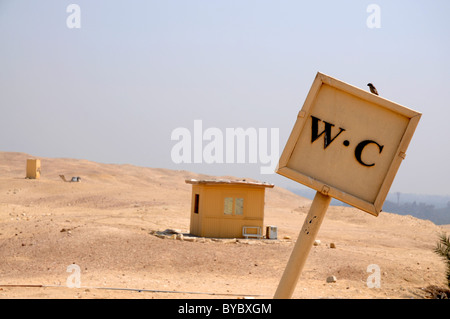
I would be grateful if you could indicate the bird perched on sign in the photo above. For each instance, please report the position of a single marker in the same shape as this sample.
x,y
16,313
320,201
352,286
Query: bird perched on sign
x,y
372,88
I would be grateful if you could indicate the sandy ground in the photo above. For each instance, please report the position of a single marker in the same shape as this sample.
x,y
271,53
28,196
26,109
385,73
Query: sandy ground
x,y
107,225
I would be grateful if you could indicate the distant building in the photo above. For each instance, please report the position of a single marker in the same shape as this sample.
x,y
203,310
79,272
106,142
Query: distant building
x,y
227,208
33,168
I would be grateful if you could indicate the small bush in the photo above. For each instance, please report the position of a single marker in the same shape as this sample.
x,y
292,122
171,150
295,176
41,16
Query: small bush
x,y
443,250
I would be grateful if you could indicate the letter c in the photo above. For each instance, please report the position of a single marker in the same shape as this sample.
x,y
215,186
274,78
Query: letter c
x,y
360,147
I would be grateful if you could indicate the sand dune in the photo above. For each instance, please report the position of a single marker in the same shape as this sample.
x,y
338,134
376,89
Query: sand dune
x,y
106,224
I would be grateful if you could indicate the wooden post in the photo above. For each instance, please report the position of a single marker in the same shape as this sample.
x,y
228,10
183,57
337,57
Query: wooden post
x,y
305,241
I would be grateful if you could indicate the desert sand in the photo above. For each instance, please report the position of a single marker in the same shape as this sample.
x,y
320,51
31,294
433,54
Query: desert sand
x,y
108,223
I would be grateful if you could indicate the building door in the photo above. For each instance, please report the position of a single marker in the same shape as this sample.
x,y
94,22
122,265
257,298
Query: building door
x,y
195,215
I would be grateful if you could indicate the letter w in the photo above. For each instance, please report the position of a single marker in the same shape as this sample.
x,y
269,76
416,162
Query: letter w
x,y
327,138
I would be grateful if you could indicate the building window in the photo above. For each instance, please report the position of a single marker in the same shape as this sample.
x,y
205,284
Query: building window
x,y
239,206
197,198
233,206
228,206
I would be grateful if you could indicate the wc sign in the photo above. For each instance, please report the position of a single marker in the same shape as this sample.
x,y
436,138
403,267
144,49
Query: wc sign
x,y
348,143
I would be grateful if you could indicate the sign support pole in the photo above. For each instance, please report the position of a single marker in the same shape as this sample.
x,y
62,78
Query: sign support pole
x,y
305,241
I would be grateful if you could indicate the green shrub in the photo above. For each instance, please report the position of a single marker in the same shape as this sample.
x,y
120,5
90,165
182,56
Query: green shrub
x,y
443,250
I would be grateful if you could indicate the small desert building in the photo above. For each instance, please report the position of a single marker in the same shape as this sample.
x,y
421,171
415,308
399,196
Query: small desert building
x,y
33,168
227,208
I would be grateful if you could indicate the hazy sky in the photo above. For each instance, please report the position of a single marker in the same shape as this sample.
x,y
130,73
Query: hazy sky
x,y
115,89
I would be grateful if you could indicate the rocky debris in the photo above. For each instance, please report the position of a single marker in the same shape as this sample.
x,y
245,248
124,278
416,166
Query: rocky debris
x,y
316,242
172,234
332,245
170,231
436,292
188,238
331,279
167,233
176,234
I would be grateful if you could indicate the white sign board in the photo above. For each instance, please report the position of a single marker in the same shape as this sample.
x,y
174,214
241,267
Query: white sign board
x,y
348,143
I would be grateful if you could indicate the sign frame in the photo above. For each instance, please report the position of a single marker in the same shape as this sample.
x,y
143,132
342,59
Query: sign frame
x,y
285,168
